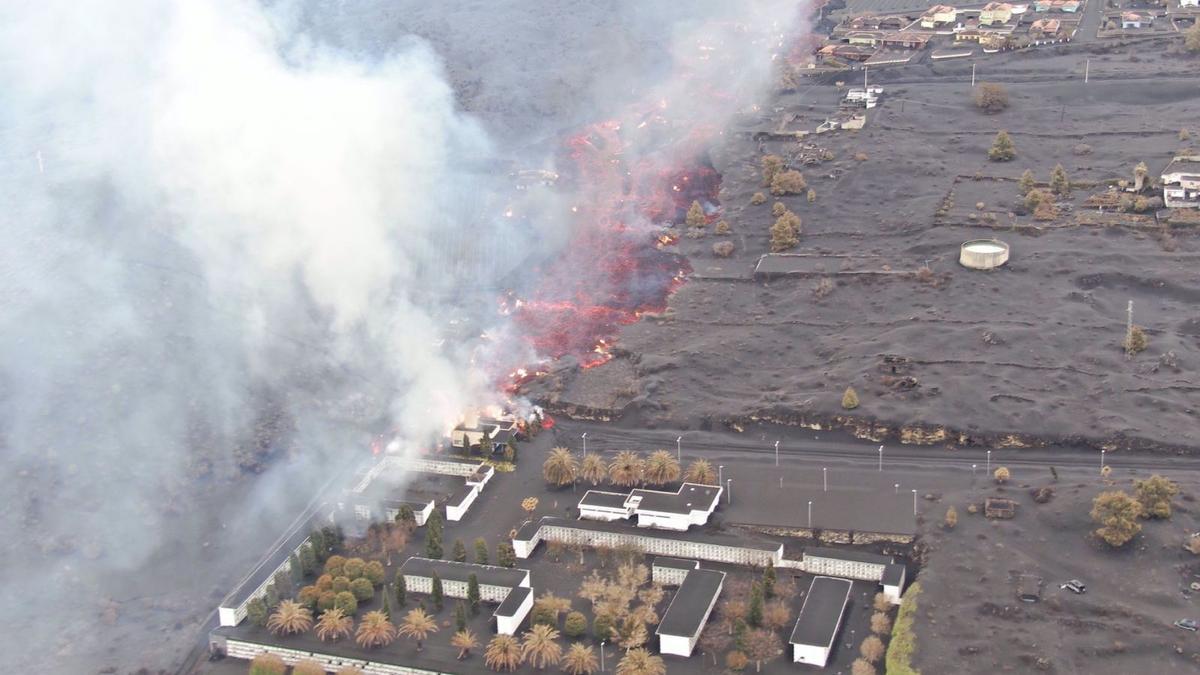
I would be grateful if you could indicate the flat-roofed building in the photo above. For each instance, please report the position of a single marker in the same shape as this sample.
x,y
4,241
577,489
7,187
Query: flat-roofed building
x,y
601,505
844,563
688,612
667,571
893,581
820,618
512,612
494,582
691,504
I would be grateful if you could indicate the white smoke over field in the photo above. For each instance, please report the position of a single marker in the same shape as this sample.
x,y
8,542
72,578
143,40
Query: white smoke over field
x,y
237,242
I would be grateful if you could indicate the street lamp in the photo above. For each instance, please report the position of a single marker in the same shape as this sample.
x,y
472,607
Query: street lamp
x,y
720,473
1102,460
678,451
914,502
973,467
584,443
881,458
776,453
825,479
810,514
602,643
897,488
989,463
728,490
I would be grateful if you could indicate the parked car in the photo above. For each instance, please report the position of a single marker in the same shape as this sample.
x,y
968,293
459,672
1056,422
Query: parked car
x,y
1075,586
1187,624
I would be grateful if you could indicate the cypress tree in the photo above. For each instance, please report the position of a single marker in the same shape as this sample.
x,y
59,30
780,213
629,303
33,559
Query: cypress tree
x,y
460,616
295,569
473,593
1059,183
436,594
1027,182
505,554
308,559
401,591
460,551
768,580
320,549
481,551
387,606
755,613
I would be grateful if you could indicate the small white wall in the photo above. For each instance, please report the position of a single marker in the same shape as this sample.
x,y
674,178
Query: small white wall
x,y
456,513
675,644
607,515
816,656
892,593
663,522
509,625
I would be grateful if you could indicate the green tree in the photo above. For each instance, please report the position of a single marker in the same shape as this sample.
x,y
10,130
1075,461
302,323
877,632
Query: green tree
x,y
1117,514
1027,182
362,589
406,515
1059,183
387,605
473,593
1136,341
346,602
401,591
320,547
602,627
768,580
295,569
271,595
436,593
1155,495
433,542
754,614
374,572
257,611
850,399
460,615
505,554
460,551
1002,149
481,551
695,215
575,625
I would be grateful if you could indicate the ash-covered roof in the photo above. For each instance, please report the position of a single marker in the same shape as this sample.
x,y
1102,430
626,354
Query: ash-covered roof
x,y
821,613
685,615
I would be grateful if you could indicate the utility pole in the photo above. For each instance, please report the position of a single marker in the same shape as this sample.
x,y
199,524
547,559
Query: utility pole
x,y
1087,65
776,453
881,458
810,514
728,490
914,502
678,451
972,75
584,443
1129,330
864,80
825,479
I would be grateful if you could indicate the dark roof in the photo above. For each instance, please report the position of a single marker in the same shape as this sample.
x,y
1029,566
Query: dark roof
x,y
449,570
843,554
676,563
527,530
460,495
513,600
267,567
601,499
686,613
690,497
821,613
623,527
893,574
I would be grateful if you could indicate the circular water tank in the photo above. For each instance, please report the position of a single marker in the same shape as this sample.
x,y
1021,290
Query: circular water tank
x,y
983,254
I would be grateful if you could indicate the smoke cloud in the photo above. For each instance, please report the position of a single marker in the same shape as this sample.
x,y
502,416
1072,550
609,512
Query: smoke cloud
x,y
241,240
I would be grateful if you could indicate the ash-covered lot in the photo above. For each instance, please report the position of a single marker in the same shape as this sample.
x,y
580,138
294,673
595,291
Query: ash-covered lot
x,y
1031,350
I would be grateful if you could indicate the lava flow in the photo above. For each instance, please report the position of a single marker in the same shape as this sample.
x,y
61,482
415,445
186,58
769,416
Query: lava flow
x,y
613,270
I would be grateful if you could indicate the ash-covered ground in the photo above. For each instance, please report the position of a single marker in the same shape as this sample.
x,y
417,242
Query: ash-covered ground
x,y
1027,353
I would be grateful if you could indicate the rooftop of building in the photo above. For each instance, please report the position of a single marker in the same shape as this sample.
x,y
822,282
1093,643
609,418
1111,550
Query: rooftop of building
x,y
893,574
700,536
676,563
689,497
604,500
266,569
685,615
1184,164
449,570
821,613
847,554
513,601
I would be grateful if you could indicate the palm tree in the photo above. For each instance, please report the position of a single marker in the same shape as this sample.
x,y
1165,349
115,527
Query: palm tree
x,y
579,660
662,468
334,625
375,630
627,469
641,662
290,617
540,648
465,641
418,625
700,471
503,653
560,467
593,469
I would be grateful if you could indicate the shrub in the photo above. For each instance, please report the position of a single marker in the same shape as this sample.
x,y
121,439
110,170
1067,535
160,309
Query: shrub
x,y
736,660
903,643
880,623
823,288
1155,495
871,649
1191,39
951,518
602,627
778,209
334,565
308,667
1001,474
722,227
862,667
1045,211
575,625
758,198
346,602
1184,135
972,509
1002,149
861,157
695,215
771,165
1136,341
990,97
1192,544
341,584
374,573
1027,182
1117,514
722,249
881,603
785,233
362,589
354,568
326,600
1082,149
790,182
812,195
267,664
850,399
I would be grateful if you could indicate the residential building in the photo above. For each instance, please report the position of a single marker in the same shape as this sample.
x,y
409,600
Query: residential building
x,y
859,97
844,563
691,504
906,40
688,612
701,546
1189,3
1045,27
1068,6
1135,20
846,52
868,38
232,609
994,13
820,618
493,433
938,16
670,571
1181,182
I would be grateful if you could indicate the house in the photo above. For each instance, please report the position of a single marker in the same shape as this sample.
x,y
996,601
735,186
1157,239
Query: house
x,y
1189,3
691,504
688,612
1181,182
995,12
893,581
845,563
969,35
868,38
939,15
1135,20
1068,6
847,52
819,621
858,97
999,507
906,39
494,434
1045,27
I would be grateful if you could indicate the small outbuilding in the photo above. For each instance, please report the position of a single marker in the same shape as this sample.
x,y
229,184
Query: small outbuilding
x,y
688,612
819,621
893,582
512,612
983,254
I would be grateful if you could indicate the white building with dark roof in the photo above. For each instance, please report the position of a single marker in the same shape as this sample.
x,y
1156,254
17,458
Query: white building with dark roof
x,y
1181,182
666,571
893,581
845,563
819,621
509,587
688,612
691,504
